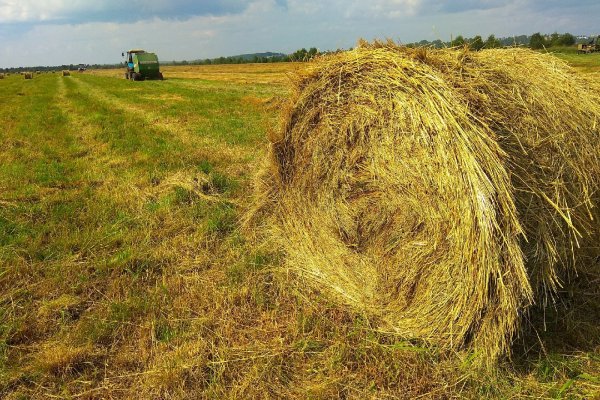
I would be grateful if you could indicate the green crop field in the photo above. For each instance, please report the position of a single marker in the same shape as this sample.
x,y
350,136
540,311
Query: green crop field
x,y
124,272
587,63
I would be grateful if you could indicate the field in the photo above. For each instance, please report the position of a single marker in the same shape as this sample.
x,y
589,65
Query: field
x,y
276,73
587,63
124,272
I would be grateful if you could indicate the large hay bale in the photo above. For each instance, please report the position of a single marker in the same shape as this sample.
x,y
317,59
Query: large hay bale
x,y
66,73
28,75
438,191
1,76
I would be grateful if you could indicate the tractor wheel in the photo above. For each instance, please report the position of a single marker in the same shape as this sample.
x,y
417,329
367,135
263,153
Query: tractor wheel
x,y
137,77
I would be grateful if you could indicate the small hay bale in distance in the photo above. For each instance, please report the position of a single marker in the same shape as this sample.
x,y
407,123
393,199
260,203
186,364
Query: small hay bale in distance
x,y
28,75
438,191
1,75
66,73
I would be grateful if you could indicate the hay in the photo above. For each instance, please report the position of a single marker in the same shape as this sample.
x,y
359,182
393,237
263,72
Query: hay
x,y
438,191
28,75
66,73
1,76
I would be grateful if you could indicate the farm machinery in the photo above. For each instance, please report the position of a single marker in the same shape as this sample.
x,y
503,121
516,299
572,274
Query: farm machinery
x,y
590,47
141,65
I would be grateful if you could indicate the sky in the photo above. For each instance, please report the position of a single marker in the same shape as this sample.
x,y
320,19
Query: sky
x,y
55,32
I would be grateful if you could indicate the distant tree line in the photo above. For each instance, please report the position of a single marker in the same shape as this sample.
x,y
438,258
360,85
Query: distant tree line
x,y
298,55
539,41
535,41
50,68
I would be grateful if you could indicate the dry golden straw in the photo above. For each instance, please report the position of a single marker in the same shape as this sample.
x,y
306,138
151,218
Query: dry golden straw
x,y
440,192
66,73
28,75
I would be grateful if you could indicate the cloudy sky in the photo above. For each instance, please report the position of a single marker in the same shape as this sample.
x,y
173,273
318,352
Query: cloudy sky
x,y
52,32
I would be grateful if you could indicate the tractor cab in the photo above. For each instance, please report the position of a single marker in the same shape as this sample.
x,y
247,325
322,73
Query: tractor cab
x,y
130,54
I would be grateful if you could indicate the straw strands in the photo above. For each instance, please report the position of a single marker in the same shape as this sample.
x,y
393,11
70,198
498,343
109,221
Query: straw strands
x,y
440,192
28,75
66,73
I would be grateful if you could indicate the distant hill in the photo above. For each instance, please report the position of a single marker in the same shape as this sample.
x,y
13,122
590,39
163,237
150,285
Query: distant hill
x,y
268,56
252,56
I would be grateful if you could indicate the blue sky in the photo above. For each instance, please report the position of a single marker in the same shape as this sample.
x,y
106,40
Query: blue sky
x,y
51,32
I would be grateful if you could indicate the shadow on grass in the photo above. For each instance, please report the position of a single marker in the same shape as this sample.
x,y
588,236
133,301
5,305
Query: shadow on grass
x,y
560,338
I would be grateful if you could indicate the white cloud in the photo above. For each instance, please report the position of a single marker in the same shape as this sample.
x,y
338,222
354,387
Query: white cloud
x,y
305,6
79,11
47,10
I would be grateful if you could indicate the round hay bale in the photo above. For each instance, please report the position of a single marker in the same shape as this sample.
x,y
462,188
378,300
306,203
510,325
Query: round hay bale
x,y
438,191
28,75
1,76
66,73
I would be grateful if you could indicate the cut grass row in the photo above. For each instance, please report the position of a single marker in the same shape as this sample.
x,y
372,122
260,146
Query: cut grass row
x,y
85,210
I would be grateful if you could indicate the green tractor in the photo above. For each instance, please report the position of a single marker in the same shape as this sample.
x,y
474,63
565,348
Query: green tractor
x,y
142,65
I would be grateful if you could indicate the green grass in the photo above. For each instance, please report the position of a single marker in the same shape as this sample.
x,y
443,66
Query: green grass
x,y
583,62
124,273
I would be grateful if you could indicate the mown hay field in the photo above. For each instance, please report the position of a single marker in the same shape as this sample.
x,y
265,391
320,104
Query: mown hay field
x,y
275,73
124,272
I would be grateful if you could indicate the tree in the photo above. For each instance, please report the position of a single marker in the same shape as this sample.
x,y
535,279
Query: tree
x,y
554,39
458,41
300,55
537,41
521,39
438,44
566,39
492,42
476,43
